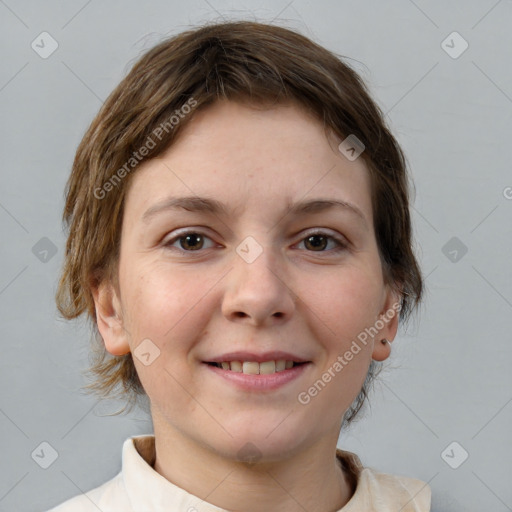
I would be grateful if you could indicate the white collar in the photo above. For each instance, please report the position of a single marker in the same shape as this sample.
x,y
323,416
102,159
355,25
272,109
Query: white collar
x,y
379,492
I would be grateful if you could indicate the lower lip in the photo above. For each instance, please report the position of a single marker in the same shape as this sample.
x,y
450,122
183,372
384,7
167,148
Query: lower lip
x,y
264,382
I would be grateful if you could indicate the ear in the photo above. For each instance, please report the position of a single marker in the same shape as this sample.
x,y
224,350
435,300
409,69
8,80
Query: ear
x,y
387,323
109,318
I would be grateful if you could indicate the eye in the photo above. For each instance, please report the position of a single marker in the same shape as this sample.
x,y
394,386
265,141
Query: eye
x,y
189,241
194,240
318,241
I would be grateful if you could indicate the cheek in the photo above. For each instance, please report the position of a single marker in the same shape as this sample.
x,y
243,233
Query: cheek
x,y
344,303
166,306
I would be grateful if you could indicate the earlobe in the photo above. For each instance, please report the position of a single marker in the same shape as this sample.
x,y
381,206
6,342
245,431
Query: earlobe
x,y
381,349
109,319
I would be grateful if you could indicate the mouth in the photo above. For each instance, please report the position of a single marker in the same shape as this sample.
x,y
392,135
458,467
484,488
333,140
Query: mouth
x,y
257,368
258,371
252,376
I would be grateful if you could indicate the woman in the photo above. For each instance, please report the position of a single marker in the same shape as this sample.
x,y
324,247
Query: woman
x,y
239,236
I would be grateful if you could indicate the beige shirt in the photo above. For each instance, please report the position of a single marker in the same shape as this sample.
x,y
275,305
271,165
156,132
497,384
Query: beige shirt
x,y
139,488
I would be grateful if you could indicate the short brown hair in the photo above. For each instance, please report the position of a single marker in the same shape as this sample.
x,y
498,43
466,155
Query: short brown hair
x,y
239,61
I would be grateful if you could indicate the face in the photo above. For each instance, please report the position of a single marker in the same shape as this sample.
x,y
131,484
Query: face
x,y
257,279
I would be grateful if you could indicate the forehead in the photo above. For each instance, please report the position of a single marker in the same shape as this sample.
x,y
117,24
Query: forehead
x,y
252,158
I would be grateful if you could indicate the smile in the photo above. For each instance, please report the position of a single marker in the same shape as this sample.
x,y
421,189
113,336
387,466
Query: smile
x,y
255,368
248,375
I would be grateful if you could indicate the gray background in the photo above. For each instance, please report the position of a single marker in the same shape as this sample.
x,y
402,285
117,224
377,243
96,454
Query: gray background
x,y
449,377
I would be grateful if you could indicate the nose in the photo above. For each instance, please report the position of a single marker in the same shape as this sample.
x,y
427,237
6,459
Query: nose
x,y
256,292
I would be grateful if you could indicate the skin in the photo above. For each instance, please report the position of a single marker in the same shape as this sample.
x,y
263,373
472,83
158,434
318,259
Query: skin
x,y
197,304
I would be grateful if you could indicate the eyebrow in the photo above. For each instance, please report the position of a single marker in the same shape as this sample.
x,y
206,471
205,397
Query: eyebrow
x,y
212,206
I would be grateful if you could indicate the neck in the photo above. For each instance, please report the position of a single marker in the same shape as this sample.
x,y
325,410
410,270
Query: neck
x,y
310,479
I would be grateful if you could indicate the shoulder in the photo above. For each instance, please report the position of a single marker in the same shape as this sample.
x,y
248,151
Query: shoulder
x,y
105,497
411,494
382,491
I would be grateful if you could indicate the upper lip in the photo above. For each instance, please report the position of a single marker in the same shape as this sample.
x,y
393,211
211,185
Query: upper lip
x,y
258,358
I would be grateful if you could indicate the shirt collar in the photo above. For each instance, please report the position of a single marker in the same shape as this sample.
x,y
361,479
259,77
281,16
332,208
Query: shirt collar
x,y
148,490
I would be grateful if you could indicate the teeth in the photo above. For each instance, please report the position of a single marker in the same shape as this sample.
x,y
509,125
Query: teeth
x,y
280,365
236,366
268,367
254,368
251,367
